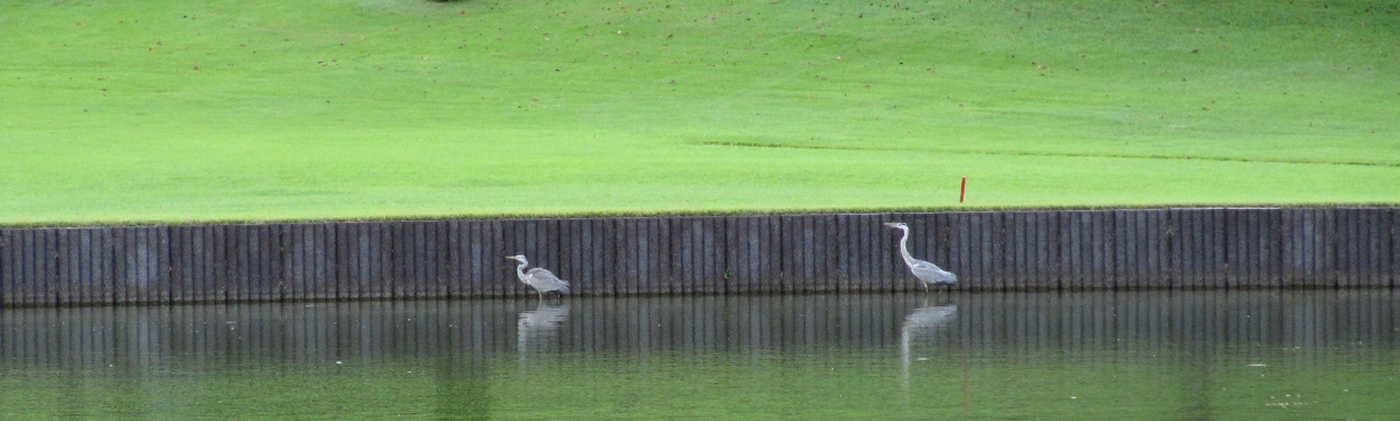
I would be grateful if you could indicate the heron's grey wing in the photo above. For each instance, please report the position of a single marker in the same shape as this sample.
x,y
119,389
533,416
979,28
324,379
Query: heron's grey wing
x,y
930,272
545,281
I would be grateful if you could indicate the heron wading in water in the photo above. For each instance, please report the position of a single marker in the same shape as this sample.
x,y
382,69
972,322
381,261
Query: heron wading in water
x,y
542,280
928,273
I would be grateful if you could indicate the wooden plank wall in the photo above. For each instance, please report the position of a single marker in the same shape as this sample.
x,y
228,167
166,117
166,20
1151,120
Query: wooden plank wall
x,y
1012,251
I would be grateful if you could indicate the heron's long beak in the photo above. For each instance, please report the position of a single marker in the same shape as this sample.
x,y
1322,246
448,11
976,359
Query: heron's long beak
x,y
891,225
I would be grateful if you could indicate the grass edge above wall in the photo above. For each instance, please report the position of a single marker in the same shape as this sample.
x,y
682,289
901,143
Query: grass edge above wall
x,y
686,214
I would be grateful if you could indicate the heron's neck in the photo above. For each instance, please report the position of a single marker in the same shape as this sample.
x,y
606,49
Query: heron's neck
x,y
904,247
520,270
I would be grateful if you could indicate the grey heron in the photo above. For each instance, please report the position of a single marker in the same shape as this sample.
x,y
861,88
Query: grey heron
x,y
927,272
542,280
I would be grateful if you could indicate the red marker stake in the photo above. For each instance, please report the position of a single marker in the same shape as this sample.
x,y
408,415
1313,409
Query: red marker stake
x,y
963,191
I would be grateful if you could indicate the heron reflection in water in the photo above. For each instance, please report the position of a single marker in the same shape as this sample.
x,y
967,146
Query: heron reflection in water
x,y
539,327
928,273
922,323
542,280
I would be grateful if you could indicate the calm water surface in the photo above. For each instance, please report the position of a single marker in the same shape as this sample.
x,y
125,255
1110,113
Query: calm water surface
x,y
1103,355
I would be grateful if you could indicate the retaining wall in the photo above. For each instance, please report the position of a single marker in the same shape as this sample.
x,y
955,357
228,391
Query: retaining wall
x,y
1029,250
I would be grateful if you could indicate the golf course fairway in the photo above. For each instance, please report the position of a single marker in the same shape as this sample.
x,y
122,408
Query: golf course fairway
x,y
117,112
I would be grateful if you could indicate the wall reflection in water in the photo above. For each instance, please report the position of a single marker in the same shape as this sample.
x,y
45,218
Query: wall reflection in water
x,y
212,336
537,329
921,326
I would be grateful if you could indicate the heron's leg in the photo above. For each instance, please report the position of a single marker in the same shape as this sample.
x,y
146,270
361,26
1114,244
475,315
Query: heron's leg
x,y
925,287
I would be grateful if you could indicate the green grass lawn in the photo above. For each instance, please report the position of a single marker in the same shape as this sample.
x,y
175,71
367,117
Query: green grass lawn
x,y
123,111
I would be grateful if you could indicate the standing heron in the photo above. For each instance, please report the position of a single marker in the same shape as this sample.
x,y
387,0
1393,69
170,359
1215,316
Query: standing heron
x,y
542,280
927,272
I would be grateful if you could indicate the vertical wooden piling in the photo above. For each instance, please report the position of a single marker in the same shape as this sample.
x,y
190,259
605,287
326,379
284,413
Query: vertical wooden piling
x,y
970,250
747,245
400,241
191,262
601,277
1031,267
499,274
36,267
424,257
749,257
716,258
829,252
1292,233
80,265
1129,238
1251,252
630,239
1308,248
1073,257
309,261
1328,244
882,269
1361,239
347,260
368,259
9,281
516,241
995,242
695,266
567,250
847,252
1047,256
1235,233
142,262
458,263
1198,253
1391,255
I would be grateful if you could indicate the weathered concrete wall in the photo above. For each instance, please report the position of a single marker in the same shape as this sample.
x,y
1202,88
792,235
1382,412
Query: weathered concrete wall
x,y
1031,250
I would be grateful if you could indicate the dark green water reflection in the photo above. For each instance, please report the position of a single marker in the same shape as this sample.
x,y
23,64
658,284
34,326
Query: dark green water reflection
x,y
1103,355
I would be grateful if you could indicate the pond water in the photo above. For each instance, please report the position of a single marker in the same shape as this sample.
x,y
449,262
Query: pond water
x,y
1087,355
